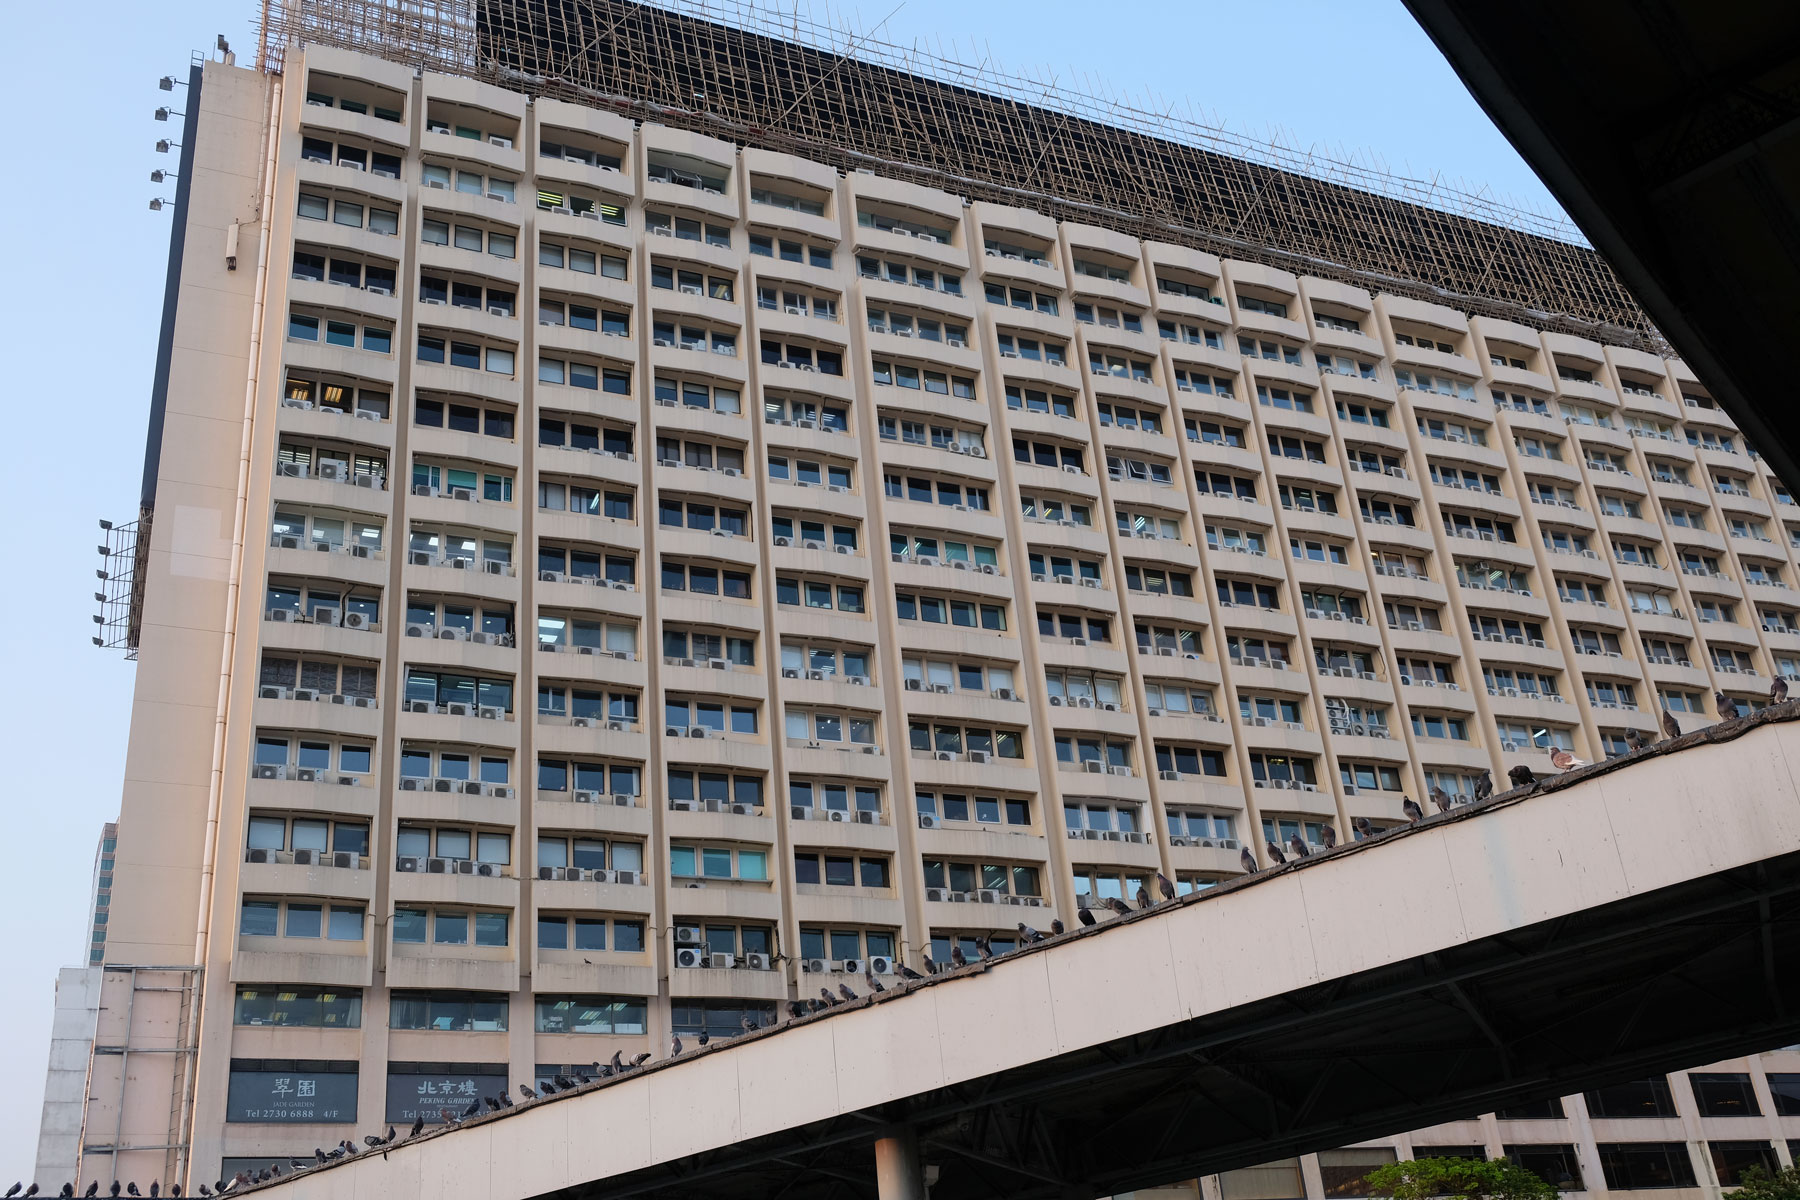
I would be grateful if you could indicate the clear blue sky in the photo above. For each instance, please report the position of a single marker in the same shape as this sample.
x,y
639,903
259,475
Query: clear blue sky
x,y
85,295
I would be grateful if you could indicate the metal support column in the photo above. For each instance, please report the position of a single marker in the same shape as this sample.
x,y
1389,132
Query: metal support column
x,y
897,1172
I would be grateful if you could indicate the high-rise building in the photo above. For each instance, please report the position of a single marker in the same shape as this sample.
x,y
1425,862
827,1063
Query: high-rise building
x,y
610,566
100,895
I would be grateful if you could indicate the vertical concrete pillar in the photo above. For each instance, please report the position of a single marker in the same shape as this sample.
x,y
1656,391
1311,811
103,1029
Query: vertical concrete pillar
x,y
897,1172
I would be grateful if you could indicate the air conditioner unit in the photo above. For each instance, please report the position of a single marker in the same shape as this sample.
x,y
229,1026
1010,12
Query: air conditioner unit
x,y
437,866
721,962
457,708
283,614
815,966
260,856
1094,768
940,895
418,706
929,821
690,957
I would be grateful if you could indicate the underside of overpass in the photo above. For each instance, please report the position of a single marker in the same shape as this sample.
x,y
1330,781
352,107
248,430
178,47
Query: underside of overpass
x,y
1670,132
1688,975
1630,918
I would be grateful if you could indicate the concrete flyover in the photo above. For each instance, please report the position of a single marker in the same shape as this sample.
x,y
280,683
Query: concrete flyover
x,y
1634,917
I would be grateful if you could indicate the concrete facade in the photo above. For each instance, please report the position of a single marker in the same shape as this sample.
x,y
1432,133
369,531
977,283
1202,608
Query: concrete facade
x,y
1056,559
65,1082
1490,878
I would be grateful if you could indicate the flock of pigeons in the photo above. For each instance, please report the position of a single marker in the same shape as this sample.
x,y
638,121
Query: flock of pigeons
x,y
1520,776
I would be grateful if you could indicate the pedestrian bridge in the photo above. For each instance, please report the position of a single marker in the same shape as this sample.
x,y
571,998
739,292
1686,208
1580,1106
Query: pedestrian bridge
x,y
1634,917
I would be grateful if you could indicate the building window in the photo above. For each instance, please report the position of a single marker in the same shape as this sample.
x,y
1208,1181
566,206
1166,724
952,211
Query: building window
x,y
1724,1095
621,1016
1731,1159
447,1011
1632,1166
1343,1172
302,1007
1639,1098
1556,1164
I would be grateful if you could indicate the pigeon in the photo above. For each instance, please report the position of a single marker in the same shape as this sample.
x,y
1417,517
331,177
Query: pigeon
x,y
1028,935
349,1149
320,1154
505,1100
1634,741
131,1189
1670,726
93,1189
1247,861
33,1190
813,1006
1562,760
390,1136
525,1091
873,983
1484,787
155,1189
67,1193
418,1127
114,1189
370,1139
1117,905
641,1059
15,1189
704,1038
796,1008
493,1104
1411,808
1143,896
845,992
1275,854
449,1118
957,957
1521,776
1298,845
982,949
1083,915
907,972
1363,826
932,967
474,1109
1441,798
1778,691
829,999
618,1062
1329,835
175,1190
675,1046
1056,927
1728,708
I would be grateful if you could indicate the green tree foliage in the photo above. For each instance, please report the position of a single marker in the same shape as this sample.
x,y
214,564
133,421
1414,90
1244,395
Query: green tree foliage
x,y
1472,1179
1758,1184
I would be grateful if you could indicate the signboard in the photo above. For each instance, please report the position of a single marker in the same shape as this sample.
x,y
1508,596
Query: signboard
x,y
299,1097
425,1094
